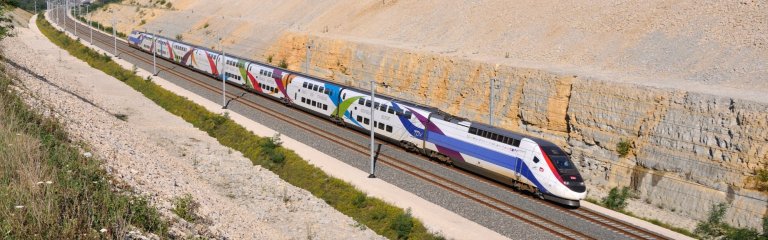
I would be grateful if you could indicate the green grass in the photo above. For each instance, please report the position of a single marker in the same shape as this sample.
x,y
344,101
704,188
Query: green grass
x,y
49,190
377,215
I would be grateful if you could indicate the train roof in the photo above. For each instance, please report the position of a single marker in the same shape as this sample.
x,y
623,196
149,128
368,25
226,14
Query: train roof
x,y
438,113
382,96
489,128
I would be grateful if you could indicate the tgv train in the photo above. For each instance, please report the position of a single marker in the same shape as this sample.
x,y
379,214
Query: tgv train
x,y
517,160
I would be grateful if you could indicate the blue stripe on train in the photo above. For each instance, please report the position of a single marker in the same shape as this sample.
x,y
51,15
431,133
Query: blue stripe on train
x,y
484,154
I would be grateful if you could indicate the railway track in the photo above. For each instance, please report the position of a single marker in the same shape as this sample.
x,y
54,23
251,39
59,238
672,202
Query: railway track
x,y
535,220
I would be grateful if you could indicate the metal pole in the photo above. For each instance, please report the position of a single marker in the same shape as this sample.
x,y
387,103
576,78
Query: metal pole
x,y
490,105
309,53
223,76
89,23
373,101
154,53
114,34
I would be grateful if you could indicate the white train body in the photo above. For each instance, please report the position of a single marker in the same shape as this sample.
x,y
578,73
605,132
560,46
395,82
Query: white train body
x,y
511,158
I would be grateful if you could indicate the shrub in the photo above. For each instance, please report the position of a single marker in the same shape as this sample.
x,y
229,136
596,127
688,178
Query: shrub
x,y
359,200
403,225
283,64
205,25
761,179
623,148
269,59
179,37
713,227
616,199
185,207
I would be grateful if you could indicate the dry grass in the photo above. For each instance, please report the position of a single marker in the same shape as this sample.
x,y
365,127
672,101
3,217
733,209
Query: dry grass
x,y
49,190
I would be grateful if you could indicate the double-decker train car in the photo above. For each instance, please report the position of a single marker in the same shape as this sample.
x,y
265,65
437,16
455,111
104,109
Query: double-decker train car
x,y
514,159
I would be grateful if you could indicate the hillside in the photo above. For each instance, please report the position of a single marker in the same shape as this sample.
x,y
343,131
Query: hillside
x,y
680,82
721,42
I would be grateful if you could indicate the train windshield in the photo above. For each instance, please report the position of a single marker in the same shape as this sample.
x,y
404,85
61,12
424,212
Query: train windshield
x,y
559,158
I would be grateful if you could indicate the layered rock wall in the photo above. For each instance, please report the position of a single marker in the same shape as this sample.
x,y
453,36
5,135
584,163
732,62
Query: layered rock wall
x,y
689,150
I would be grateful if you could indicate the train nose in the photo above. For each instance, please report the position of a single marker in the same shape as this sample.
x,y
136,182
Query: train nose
x,y
575,183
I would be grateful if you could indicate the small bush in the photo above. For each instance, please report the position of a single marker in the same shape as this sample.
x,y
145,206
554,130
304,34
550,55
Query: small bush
x,y
179,37
713,227
403,225
359,200
761,180
142,22
185,207
623,148
169,5
616,199
205,25
269,59
283,64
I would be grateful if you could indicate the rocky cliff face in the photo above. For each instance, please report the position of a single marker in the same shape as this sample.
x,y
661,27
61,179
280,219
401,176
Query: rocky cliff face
x,y
688,150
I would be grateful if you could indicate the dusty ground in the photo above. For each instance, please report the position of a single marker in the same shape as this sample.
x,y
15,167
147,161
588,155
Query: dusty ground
x,y
163,157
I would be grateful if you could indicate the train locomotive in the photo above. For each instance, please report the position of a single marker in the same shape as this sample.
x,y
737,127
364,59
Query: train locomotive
x,y
517,160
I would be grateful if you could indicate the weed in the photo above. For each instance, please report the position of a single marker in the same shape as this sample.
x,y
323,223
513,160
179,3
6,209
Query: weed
x,y
623,148
283,64
403,224
169,5
359,200
179,37
185,207
713,226
121,116
616,199
205,25
269,59
142,22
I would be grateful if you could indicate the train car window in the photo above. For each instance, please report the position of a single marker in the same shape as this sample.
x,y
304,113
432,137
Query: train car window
x,y
325,107
367,103
499,138
314,104
344,96
381,126
472,130
389,128
493,136
315,87
359,100
383,108
303,100
359,119
535,160
321,89
515,142
376,105
390,111
399,112
304,85
269,74
329,92
310,86
366,121
407,115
